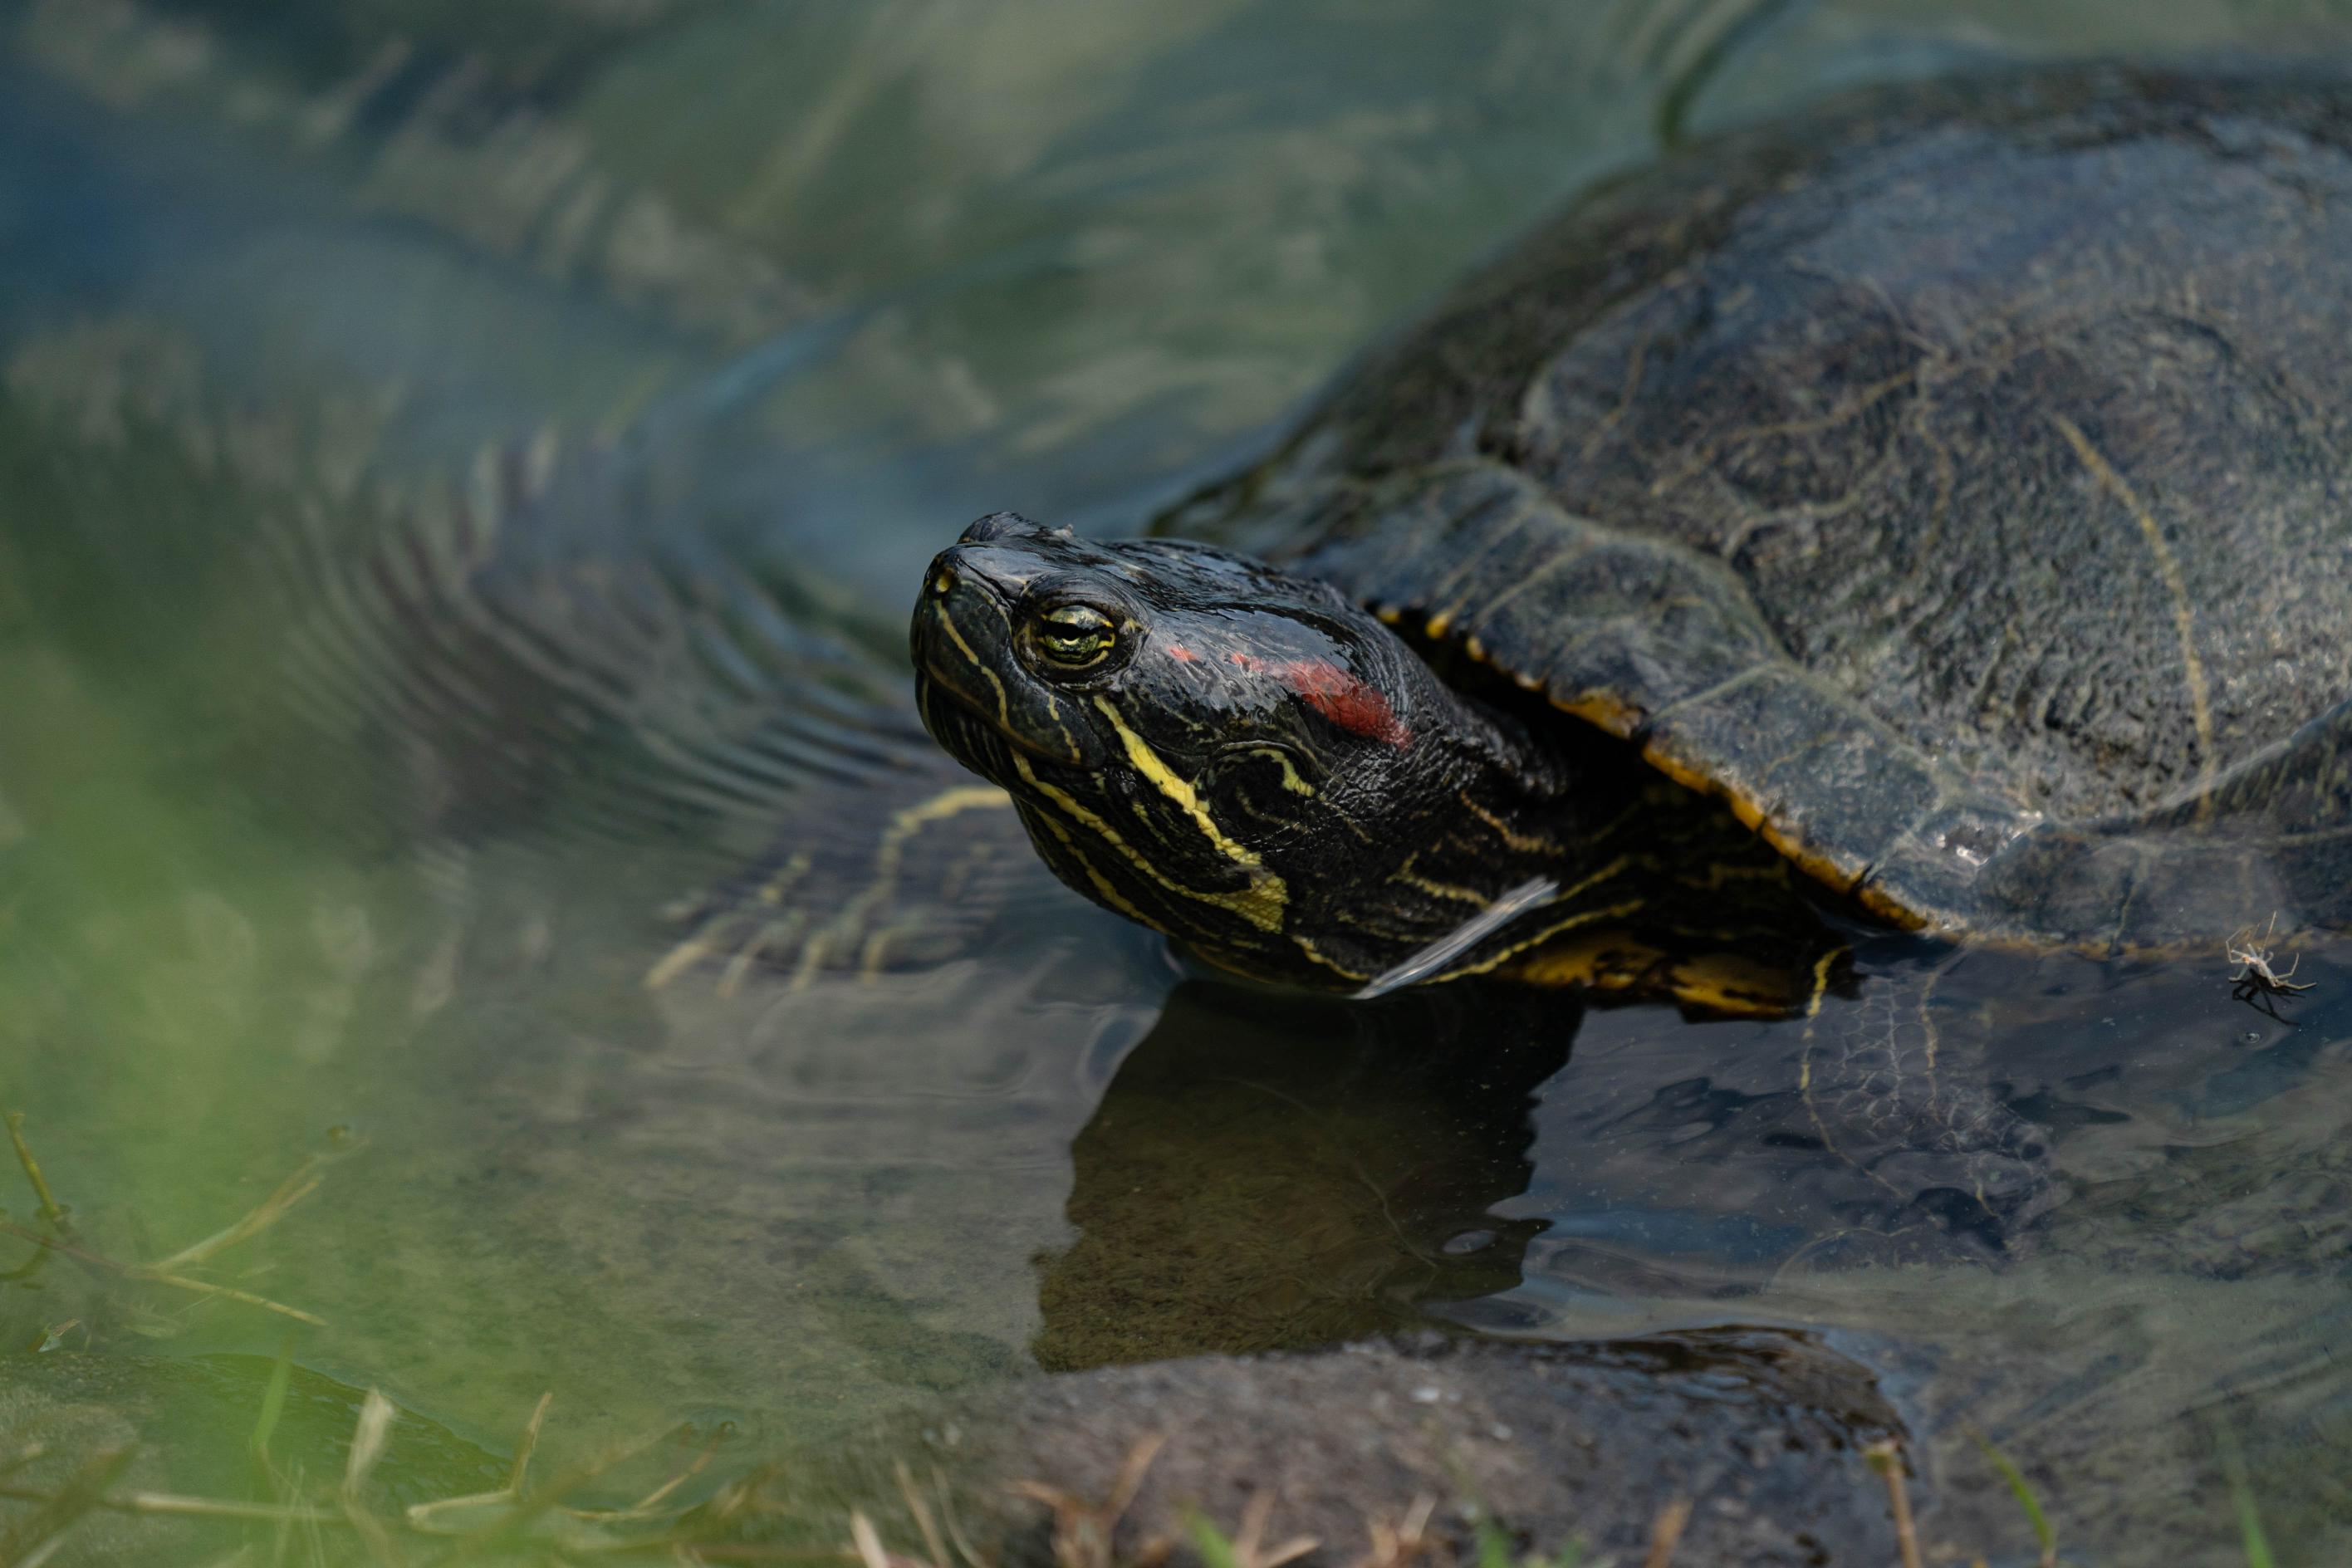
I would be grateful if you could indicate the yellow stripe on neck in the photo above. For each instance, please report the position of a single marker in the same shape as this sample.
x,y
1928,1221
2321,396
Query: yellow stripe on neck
x,y
1260,903
1163,778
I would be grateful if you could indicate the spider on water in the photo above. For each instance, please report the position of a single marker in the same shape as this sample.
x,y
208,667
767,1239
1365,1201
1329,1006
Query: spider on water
x,y
2256,982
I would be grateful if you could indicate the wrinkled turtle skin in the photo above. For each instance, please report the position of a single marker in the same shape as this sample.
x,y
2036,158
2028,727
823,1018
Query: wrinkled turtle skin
x,y
1954,480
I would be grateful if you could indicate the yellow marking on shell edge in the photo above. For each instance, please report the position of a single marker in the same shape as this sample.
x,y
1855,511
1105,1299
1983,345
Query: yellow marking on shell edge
x,y
1606,712
1812,863
1682,773
1887,907
1751,814
1003,707
1260,903
2184,612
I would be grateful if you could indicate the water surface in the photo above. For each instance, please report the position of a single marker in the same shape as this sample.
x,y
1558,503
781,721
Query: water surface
x,y
466,466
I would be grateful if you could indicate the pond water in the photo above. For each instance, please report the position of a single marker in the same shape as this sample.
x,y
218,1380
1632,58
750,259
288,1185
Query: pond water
x,y
465,469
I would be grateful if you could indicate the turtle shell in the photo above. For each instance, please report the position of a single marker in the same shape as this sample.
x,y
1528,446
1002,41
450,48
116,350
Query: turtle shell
x,y
1956,482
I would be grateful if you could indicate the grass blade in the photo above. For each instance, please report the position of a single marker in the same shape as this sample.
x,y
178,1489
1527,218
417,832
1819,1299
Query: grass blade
x,y
52,1212
1216,1549
2022,1491
2242,1498
273,1399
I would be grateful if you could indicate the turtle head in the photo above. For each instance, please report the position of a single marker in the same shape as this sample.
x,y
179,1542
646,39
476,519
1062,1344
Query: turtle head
x,y
1083,658
1196,740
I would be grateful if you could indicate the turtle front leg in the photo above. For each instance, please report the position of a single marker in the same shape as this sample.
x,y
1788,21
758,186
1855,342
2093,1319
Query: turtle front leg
x,y
1898,1086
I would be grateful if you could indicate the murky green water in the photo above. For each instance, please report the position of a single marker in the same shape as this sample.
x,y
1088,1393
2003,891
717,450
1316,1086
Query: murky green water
x,y
461,472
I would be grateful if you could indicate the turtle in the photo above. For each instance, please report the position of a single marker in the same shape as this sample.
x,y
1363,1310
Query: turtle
x,y
1946,489
1953,482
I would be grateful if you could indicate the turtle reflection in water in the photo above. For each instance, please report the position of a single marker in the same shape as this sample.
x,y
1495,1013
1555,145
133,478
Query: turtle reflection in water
x,y
1953,489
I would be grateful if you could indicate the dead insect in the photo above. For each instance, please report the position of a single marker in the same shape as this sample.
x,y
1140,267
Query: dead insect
x,y
2256,982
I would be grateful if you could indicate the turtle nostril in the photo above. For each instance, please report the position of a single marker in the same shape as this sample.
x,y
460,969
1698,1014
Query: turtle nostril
x,y
943,583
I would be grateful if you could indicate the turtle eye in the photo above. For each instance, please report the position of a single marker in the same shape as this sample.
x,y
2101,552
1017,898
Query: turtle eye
x,y
1074,635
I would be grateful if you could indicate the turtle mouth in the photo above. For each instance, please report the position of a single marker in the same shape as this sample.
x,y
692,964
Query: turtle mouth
x,y
966,723
962,697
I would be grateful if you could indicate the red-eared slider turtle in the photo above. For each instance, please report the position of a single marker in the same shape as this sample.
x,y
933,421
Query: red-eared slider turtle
x,y
1954,483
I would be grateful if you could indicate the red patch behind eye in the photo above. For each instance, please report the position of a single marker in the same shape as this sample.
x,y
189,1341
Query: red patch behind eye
x,y
1181,654
1352,704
